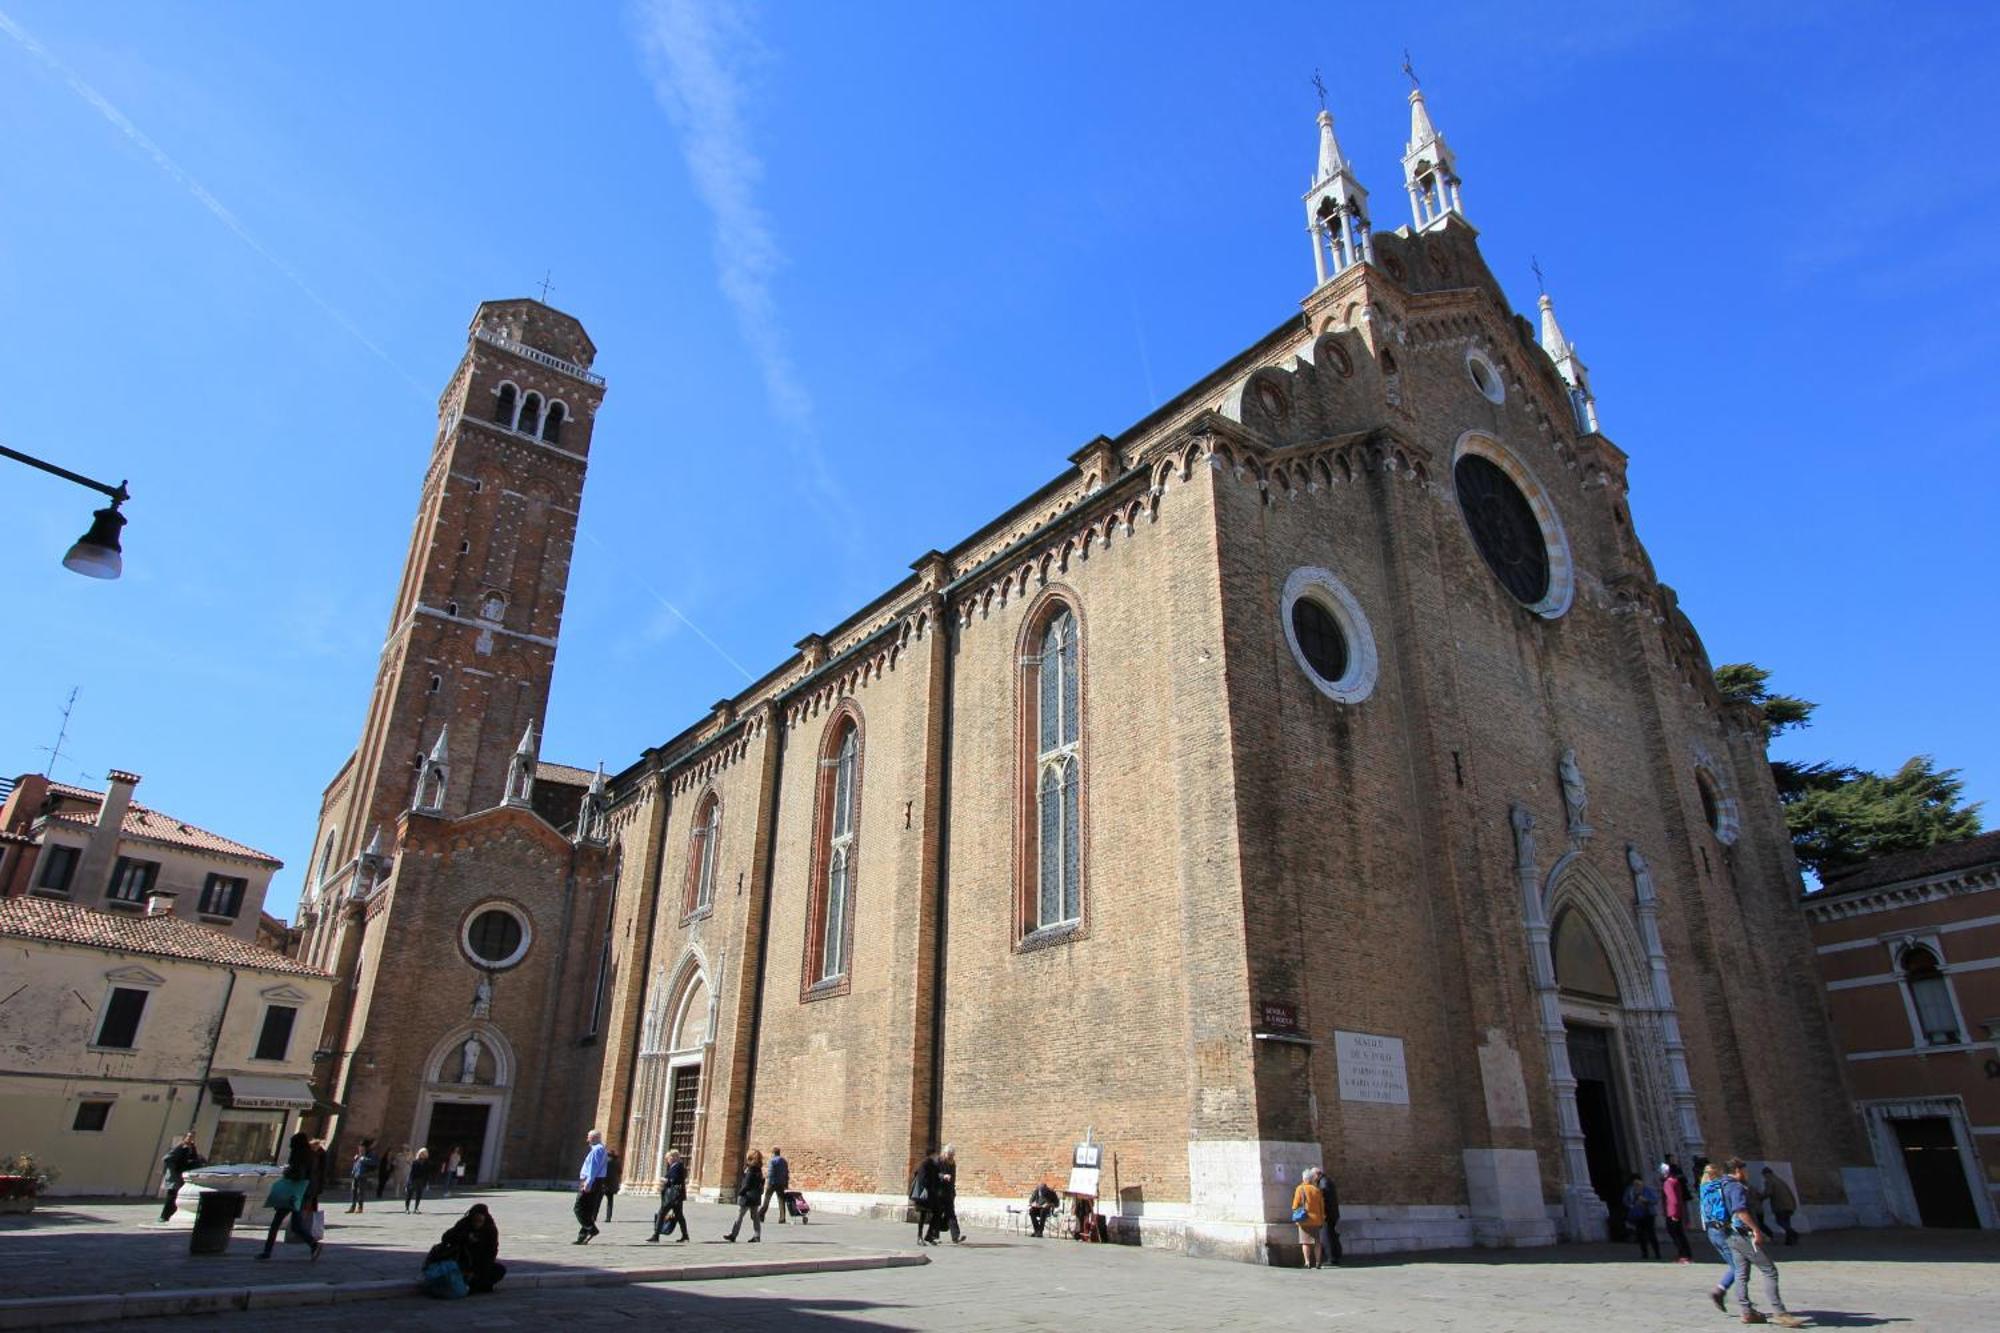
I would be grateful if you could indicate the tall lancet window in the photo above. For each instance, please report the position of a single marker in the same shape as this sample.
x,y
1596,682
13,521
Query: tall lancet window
x,y
1052,834
837,826
702,851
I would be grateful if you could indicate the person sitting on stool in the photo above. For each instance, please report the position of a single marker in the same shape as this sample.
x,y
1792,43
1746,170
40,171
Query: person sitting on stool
x,y
1040,1204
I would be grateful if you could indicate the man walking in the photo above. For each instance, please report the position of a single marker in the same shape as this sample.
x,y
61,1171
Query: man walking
x,y
1747,1250
777,1179
1783,1203
180,1159
590,1188
614,1178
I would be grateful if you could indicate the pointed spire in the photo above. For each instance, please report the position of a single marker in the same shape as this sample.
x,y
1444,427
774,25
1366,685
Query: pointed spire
x,y
1336,209
593,817
433,780
438,750
1583,404
1429,170
597,785
521,770
375,844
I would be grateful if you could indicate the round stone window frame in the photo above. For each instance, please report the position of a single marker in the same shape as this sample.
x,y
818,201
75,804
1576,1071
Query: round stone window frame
x,y
513,910
1363,664
1492,388
1562,568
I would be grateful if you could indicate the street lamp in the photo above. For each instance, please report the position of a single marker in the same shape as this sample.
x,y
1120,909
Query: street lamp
x,y
96,553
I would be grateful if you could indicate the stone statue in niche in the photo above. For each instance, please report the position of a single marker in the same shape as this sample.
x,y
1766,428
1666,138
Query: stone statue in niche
x,y
1576,799
468,1059
1642,874
1524,836
482,996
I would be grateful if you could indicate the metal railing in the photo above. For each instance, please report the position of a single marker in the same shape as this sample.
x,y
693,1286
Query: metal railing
x,y
541,358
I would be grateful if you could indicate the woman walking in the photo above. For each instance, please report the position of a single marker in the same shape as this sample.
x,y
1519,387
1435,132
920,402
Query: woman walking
x,y
944,1197
292,1195
749,1197
420,1176
453,1165
673,1200
1309,1213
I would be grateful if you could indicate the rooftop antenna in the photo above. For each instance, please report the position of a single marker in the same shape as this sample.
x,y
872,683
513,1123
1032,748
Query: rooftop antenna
x,y
1409,69
1541,287
546,286
1319,86
62,734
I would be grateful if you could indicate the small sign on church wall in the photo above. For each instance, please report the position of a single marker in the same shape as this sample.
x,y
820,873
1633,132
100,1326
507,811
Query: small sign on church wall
x,y
1278,1019
1371,1068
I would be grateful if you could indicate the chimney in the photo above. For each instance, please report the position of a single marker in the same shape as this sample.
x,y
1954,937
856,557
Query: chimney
x,y
93,870
160,902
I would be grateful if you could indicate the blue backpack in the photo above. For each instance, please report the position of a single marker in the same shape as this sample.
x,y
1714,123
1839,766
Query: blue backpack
x,y
1713,1212
444,1280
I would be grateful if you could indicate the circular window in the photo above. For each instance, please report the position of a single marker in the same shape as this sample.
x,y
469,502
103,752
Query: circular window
x,y
1485,378
1329,635
496,936
1514,526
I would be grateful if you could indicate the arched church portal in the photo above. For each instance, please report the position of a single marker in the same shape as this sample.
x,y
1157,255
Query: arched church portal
x,y
668,1105
467,1090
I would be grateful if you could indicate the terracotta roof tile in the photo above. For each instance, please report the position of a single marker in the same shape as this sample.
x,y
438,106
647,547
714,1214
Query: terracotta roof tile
x,y
1920,864
563,773
160,936
145,822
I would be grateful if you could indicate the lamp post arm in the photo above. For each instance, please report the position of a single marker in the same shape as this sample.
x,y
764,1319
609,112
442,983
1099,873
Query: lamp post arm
x,y
118,493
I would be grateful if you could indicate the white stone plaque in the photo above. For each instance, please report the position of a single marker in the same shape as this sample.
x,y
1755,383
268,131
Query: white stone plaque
x,y
1371,1068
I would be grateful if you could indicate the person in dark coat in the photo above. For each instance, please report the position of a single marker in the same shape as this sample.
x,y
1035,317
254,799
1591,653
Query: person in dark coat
x,y
1041,1204
778,1179
750,1197
421,1170
944,1200
1329,1232
475,1239
614,1177
180,1159
923,1195
294,1196
673,1199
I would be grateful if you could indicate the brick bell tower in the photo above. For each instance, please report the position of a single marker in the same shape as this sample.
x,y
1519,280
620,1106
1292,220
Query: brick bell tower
x,y
471,646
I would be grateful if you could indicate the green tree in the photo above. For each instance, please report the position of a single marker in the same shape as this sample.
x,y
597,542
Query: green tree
x,y
1840,816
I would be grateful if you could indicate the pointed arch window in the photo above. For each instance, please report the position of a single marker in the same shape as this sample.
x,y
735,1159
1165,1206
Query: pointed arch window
x,y
505,406
552,423
703,846
1051,897
531,415
836,833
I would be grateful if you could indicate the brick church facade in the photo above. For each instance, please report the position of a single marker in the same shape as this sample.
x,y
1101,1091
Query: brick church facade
x,y
1317,772
460,886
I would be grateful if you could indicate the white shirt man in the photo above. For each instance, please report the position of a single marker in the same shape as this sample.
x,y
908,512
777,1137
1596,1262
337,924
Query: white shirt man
x,y
590,1188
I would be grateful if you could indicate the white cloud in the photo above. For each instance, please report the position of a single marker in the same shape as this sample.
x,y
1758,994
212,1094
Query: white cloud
x,y
699,56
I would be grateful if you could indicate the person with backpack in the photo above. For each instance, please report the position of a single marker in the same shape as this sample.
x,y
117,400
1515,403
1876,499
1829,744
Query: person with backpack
x,y
1638,1201
180,1159
1674,1208
673,1200
1745,1240
1715,1225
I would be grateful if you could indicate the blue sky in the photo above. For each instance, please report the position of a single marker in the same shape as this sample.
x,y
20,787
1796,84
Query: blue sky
x,y
862,275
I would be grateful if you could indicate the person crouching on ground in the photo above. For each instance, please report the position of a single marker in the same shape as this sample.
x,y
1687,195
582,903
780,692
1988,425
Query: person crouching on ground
x,y
476,1239
1309,1212
750,1197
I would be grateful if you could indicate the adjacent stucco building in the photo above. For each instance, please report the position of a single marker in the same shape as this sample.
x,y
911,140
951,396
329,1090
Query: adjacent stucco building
x,y
119,1033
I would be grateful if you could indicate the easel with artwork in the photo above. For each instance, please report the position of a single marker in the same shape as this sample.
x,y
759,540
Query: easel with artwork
x,y
1083,1221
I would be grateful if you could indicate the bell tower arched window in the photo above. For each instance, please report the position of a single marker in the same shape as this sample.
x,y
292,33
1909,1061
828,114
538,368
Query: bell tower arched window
x,y
505,406
702,850
836,833
531,415
552,423
1051,862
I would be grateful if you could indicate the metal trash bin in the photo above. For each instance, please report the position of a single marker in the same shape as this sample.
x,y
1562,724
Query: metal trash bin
x,y
215,1215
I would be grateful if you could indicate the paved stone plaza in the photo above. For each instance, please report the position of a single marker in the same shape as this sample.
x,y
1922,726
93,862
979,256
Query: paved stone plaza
x,y
1910,1279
